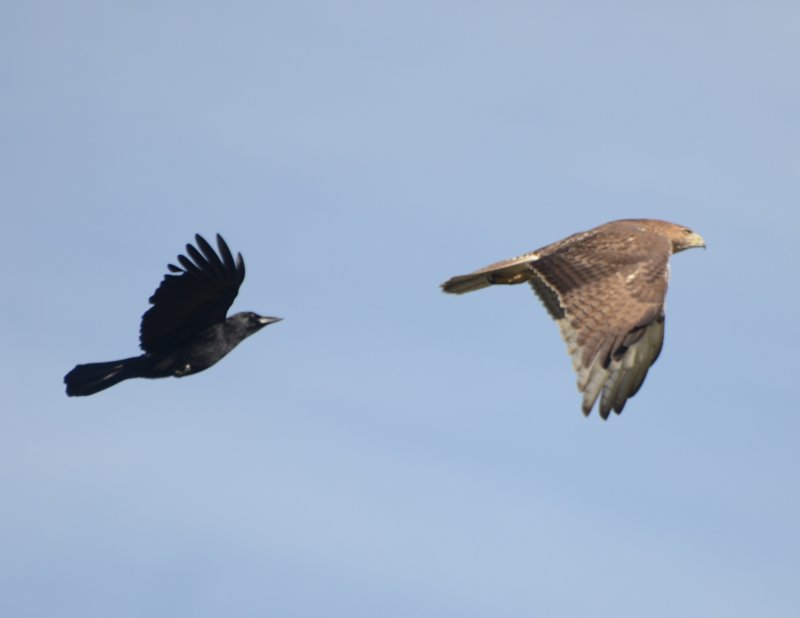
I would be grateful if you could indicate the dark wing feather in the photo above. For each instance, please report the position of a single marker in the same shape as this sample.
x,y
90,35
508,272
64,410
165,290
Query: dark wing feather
x,y
210,255
195,297
610,286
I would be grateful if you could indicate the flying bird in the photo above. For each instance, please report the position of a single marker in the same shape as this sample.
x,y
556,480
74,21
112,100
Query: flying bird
x,y
185,331
605,288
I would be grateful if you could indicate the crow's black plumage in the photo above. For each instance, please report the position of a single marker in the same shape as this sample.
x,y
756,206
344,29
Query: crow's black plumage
x,y
185,331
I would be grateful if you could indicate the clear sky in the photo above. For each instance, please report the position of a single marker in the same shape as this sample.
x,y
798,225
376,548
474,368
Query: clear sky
x,y
388,450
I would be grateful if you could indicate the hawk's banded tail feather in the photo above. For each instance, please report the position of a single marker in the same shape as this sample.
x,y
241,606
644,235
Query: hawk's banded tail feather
x,y
508,272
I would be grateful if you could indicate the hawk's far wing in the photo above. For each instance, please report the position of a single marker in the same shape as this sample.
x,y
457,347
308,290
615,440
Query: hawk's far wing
x,y
195,296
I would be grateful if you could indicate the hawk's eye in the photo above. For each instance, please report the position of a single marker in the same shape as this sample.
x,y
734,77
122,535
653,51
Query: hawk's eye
x,y
687,231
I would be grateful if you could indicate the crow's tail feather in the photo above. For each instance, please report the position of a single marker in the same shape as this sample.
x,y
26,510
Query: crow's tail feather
x,y
94,377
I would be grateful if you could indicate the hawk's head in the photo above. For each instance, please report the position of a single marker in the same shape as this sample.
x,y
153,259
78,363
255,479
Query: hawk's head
x,y
679,236
684,238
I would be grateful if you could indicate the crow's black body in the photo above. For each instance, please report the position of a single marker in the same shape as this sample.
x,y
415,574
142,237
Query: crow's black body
x,y
185,331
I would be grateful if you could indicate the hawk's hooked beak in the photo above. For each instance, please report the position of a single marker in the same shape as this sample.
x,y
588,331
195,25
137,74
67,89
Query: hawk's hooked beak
x,y
695,240
265,320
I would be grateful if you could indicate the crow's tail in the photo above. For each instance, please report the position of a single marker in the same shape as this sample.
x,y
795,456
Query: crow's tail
x,y
94,377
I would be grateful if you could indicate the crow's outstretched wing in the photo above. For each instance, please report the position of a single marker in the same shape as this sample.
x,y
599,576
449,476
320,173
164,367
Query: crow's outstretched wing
x,y
195,296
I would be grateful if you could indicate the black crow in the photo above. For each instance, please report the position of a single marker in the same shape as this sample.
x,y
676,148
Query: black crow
x,y
185,331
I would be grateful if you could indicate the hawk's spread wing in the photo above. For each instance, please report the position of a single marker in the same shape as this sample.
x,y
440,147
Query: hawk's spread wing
x,y
606,292
197,297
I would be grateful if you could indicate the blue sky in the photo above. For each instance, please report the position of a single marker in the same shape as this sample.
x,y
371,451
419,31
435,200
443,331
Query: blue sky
x,y
388,450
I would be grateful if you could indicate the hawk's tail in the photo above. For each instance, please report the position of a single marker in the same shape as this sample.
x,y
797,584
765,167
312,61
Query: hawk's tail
x,y
508,272
92,378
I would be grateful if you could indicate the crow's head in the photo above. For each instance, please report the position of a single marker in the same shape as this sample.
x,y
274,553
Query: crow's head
x,y
247,322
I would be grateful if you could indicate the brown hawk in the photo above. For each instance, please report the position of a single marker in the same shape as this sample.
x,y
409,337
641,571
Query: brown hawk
x,y
605,288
